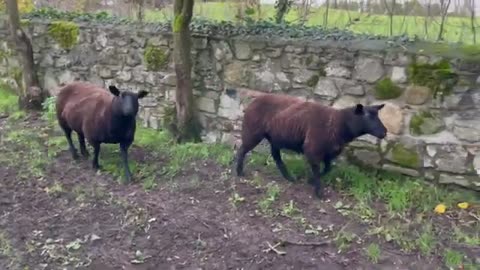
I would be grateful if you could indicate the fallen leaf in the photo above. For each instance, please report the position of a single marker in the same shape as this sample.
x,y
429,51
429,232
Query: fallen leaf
x,y
463,205
440,208
339,204
94,237
74,245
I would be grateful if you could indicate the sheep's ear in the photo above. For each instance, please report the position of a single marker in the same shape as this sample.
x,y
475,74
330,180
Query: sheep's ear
x,y
142,94
379,107
359,109
114,90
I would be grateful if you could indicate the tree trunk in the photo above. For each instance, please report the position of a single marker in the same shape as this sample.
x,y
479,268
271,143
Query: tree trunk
x,y
444,10
30,96
391,12
472,21
188,127
140,10
325,17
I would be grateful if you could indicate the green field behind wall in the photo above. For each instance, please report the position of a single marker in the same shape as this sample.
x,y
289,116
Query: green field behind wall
x,y
456,28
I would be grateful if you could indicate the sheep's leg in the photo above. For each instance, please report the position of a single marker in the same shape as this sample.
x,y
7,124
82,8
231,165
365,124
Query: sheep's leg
x,y
83,148
279,162
124,153
315,180
327,167
247,146
68,134
96,152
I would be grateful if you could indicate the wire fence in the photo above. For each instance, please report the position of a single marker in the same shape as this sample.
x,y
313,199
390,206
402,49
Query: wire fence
x,y
434,20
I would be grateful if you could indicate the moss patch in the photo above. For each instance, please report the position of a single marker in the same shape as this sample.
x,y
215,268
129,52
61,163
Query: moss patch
x,y
65,33
386,89
25,23
155,57
468,52
439,77
424,122
178,22
312,82
404,156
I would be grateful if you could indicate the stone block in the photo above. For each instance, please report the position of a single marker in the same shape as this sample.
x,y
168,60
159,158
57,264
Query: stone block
x,y
368,69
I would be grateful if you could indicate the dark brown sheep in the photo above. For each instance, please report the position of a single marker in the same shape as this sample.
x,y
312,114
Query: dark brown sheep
x,y
319,132
100,116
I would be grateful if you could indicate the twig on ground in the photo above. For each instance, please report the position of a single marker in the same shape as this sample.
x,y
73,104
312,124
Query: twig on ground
x,y
321,243
3,116
474,216
201,221
274,248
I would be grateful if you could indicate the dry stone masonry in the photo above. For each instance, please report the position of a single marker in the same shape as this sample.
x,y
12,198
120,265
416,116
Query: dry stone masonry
x,y
435,137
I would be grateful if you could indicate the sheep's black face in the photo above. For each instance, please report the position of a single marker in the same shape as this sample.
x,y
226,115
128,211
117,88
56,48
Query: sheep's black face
x,y
128,101
371,123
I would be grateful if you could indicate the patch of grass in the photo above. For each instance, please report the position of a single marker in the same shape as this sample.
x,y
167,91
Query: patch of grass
x,y
54,190
466,238
396,232
350,178
5,246
257,181
426,241
396,197
453,258
343,239
235,199
8,101
373,252
290,210
9,252
364,211
272,193
181,154
26,145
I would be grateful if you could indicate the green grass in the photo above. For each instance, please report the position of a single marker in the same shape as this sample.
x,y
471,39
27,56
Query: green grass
x,y
426,241
8,101
453,258
456,28
373,252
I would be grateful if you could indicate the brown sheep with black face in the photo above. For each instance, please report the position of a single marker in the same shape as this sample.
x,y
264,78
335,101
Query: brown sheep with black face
x,y
100,116
319,132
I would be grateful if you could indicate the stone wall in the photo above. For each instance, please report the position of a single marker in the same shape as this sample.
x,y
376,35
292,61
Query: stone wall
x,y
431,138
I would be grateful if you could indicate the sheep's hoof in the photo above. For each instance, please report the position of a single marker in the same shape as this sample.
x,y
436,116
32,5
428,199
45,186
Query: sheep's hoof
x,y
75,156
319,194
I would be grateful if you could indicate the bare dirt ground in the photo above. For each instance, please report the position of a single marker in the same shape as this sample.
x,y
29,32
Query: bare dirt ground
x,y
56,213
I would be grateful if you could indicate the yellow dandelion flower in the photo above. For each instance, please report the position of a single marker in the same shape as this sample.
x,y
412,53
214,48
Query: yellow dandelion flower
x,y
440,208
463,205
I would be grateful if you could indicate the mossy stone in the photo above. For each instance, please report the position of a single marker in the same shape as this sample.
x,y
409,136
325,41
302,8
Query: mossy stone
x,y
312,81
65,33
425,123
386,89
155,57
405,156
439,77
